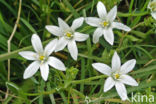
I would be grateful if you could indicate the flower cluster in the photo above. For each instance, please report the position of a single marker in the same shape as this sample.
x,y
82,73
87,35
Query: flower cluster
x,y
67,36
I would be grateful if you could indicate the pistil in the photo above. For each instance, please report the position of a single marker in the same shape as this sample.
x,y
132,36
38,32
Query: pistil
x,y
41,58
68,35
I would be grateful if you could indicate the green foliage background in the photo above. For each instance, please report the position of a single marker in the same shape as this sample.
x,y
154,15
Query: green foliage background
x,y
80,79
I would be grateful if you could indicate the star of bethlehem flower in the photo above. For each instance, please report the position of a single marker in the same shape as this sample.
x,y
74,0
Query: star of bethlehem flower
x,y
41,58
105,24
152,7
68,36
117,75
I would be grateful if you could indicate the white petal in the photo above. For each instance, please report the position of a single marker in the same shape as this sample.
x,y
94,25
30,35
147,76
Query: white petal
x,y
54,30
63,25
56,63
77,23
80,36
120,26
72,47
103,68
109,36
128,66
37,44
153,15
44,68
120,87
50,47
28,55
101,9
97,34
93,21
116,63
128,80
109,83
31,69
112,14
62,42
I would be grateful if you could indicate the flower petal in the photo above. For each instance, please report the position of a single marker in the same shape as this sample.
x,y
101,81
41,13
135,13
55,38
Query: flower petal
x,y
121,90
77,23
50,47
93,21
101,9
128,66
44,68
112,14
153,15
62,42
31,69
29,55
120,26
80,36
97,34
63,25
103,68
109,83
109,36
56,63
72,47
116,63
54,30
36,43
128,80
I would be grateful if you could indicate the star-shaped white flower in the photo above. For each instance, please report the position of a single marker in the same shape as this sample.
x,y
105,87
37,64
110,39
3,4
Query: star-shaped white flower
x,y
105,23
68,36
117,75
152,7
41,58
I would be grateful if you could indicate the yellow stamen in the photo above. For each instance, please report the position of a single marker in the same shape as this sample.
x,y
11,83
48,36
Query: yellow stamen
x,y
105,23
117,76
41,58
68,34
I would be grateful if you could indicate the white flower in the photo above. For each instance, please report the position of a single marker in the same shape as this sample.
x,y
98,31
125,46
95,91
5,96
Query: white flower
x,y
152,7
41,58
117,75
105,23
68,35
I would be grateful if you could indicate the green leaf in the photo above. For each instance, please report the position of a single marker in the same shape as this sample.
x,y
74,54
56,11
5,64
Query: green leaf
x,y
76,15
29,26
12,86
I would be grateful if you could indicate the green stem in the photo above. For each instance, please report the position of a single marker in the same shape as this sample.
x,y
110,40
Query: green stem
x,y
88,79
41,93
61,88
120,14
14,54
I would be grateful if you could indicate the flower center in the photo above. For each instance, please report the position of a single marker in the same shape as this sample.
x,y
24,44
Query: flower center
x,y
41,58
68,35
117,76
105,23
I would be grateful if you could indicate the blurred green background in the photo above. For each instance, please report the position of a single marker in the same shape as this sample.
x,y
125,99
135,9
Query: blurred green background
x,y
78,81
